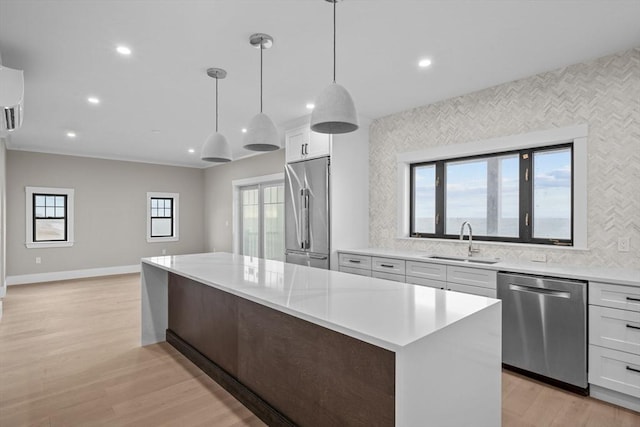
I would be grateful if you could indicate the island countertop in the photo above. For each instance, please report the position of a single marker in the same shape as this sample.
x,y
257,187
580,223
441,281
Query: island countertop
x,y
387,314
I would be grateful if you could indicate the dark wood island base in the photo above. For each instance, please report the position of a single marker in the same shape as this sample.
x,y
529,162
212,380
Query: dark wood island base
x,y
284,369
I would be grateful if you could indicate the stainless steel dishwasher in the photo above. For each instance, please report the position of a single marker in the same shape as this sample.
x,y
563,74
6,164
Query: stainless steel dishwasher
x,y
544,328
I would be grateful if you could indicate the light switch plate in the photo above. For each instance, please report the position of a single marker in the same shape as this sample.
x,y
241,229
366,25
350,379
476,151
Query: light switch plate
x,y
623,244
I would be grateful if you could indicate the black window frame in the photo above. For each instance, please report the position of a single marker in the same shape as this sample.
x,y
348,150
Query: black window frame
x,y
171,217
526,202
35,218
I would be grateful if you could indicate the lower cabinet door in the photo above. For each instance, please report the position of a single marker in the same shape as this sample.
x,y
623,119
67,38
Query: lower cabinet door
x,y
388,276
615,370
438,284
358,271
474,290
615,329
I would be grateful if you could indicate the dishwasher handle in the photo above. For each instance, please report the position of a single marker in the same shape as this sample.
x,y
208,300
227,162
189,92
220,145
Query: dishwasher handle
x,y
541,291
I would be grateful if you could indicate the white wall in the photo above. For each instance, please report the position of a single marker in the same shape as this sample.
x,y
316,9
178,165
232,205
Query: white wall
x,y
110,211
218,195
604,94
3,221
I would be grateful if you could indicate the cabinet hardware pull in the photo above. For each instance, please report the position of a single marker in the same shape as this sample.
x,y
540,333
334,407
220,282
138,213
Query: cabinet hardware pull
x,y
355,261
386,265
302,150
633,299
633,327
629,368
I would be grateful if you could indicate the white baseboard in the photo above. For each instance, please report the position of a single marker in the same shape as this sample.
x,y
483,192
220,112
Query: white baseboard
x,y
72,274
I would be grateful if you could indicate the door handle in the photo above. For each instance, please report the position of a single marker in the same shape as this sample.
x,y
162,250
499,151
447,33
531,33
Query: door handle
x,y
542,291
304,218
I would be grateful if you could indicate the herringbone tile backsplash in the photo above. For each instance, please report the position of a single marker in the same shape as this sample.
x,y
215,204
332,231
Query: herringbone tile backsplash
x,y
603,93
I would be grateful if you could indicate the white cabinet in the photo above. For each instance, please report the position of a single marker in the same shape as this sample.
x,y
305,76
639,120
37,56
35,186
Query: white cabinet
x,y
614,343
301,143
470,280
355,264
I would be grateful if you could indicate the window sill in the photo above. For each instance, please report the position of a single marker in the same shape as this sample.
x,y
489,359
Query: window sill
x,y
484,242
35,245
162,239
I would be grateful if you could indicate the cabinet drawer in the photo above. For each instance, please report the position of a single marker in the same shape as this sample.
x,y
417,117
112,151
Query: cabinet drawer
x,y
355,261
426,270
473,290
438,284
615,296
358,271
472,276
388,276
388,265
613,328
615,370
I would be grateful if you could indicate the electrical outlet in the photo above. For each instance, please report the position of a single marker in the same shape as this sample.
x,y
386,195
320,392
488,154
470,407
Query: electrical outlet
x,y
164,252
38,260
539,257
623,244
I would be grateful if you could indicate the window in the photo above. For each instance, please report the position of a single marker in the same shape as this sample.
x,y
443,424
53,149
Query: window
x,y
162,217
518,196
259,217
262,221
49,217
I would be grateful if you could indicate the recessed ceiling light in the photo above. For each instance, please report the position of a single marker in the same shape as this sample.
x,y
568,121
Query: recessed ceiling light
x,y
123,50
71,134
191,150
310,106
93,100
424,63
244,130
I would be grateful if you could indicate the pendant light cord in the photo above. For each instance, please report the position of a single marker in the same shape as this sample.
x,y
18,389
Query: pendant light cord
x,y
261,48
216,104
334,40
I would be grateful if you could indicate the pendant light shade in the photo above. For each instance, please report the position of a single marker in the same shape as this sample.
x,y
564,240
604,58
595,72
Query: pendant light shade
x,y
334,110
215,147
262,134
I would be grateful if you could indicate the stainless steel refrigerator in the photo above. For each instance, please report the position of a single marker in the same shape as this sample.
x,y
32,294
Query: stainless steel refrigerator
x,y
306,212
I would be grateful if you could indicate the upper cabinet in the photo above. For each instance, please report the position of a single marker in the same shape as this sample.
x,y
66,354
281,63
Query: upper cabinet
x,y
302,144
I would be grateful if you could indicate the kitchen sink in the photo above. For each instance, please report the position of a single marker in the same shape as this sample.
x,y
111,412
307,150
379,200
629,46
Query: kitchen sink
x,y
464,259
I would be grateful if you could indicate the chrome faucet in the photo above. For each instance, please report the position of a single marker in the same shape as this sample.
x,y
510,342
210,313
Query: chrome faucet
x,y
471,250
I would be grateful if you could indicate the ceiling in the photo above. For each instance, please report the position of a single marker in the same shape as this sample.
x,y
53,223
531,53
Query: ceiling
x,y
158,102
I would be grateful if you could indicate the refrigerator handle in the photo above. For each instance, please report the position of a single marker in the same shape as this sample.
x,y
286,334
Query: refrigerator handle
x,y
304,218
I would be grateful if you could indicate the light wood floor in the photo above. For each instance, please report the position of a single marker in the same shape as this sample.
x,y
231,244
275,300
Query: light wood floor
x,y
70,356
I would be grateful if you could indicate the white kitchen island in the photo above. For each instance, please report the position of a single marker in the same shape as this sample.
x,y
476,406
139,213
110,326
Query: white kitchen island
x,y
444,347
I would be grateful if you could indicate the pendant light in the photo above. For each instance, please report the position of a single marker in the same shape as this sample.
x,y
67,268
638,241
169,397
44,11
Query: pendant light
x,y
335,111
262,134
216,148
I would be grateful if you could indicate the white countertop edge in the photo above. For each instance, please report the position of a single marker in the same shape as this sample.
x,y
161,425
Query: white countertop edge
x,y
618,276
379,342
